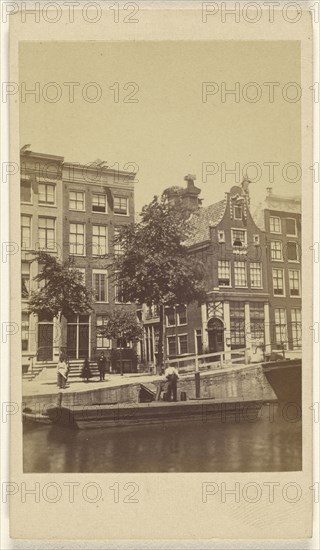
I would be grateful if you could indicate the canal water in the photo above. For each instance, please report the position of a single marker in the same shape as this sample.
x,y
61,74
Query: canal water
x,y
266,442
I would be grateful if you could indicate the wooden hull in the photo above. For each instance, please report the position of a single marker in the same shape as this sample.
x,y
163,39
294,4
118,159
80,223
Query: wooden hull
x,y
284,377
132,414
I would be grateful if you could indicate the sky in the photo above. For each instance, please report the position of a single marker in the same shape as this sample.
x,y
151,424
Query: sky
x,y
170,131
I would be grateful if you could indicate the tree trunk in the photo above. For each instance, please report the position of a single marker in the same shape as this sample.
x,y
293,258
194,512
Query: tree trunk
x,y
160,362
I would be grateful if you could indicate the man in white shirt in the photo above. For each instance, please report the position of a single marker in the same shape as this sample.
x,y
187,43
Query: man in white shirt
x,y
172,376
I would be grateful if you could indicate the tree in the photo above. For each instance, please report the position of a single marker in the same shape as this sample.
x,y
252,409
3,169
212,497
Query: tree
x,y
155,266
61,291
121,325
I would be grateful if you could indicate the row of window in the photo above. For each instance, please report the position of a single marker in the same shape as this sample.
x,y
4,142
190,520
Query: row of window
x,y
78,333
77,236
290,251
240,274
279,284
99,284
47,196
290,229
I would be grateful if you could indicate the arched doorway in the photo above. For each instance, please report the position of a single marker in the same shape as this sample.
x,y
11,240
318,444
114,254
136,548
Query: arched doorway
x,y
215,330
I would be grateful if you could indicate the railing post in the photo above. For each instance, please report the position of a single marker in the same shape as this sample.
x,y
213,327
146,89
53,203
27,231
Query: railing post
x,y
197,377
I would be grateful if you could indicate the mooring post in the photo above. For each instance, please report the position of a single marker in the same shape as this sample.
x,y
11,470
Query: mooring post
x,y
197,377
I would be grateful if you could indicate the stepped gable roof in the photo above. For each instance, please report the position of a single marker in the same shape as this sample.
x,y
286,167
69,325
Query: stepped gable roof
x,y
204,218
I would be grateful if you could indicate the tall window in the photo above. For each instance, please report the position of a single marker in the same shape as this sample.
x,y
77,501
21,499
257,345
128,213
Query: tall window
x,y
224,273
277,280
237,324
292,251
120,205
100,285
25,331
25,190
78,336
275,224
239,237
237,212
171,341
296,327
25,280
99,240
257,322
102,342
276,250
183,344
280,325
99,202
118,293
170,317
182,315
291,226
76,200
118,250
25,232
47,193
255,275
240,274
47,233
294,282
77,238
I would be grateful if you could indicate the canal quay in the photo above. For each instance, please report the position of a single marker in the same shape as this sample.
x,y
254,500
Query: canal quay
x,y
263,436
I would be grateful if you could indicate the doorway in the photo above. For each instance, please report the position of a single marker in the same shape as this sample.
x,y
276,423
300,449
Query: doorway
x,y
215,335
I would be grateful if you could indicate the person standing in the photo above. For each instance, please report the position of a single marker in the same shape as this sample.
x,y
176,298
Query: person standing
x,y
102,366
86,371
172,376
62,372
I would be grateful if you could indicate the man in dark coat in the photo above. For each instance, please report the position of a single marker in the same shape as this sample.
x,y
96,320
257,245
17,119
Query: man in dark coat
x,y
102,366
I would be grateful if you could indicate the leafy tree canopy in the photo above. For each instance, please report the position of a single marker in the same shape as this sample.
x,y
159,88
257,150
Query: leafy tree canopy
x,y
155,265
121,324
61,290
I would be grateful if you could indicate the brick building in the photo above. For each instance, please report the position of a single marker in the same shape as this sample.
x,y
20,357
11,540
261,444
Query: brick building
x,y
72,211
41,229
236,313
280,218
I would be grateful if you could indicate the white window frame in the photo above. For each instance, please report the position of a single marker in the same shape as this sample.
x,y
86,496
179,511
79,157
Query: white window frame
x,y
280,228
118,251
299,283
274,242
234,211
76,244
254,264
106,237
25,331
31,190
127,202
283,283
102,338
80,191
175,344
178,316
29,279
245,244
174,316
229,269
285,324
106,203
221,236
296,228
294,327
179,345
246,274
256,239
47,204
105,273
54,248
30,228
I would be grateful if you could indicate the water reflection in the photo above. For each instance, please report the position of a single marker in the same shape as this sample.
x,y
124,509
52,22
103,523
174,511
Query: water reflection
x,y
268,444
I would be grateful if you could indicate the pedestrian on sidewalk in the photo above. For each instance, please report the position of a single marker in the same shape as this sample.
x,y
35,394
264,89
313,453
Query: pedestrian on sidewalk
x,y
102,366
62,371
86,371
172,376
